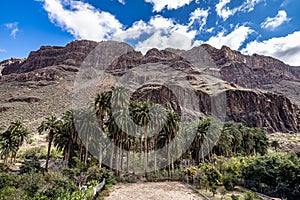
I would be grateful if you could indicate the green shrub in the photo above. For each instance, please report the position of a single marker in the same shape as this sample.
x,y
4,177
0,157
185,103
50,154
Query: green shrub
x,y
33,153
30,166
234,197
12,193
229,181
3,168
249,196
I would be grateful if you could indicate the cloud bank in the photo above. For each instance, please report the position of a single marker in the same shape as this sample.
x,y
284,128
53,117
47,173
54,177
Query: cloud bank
x,y
159,5
272,23
82,20
285,48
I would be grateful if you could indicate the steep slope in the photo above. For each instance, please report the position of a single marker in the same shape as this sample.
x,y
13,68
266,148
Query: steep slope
x,y
271,111
256,71
49,73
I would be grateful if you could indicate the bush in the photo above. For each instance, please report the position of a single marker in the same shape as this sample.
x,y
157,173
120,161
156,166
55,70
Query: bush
x,y
30,166
234,197
3,168
229,181
38,153
33,153
249,196
11,193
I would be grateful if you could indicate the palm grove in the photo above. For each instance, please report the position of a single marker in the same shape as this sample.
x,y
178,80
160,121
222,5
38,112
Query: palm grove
x,y
104,132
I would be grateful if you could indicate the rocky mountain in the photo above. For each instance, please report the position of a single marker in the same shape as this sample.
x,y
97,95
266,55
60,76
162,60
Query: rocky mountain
x,y
259,91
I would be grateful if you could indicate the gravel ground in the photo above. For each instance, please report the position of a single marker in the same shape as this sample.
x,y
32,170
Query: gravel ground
x,y
153,191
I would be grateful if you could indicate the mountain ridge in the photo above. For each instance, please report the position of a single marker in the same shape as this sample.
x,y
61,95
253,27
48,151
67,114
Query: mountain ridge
x,y
250,82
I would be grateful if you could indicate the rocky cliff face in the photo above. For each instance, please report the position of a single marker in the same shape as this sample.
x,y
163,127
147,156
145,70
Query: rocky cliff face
x,y
12,64
250,71
271,111
72,54
206,70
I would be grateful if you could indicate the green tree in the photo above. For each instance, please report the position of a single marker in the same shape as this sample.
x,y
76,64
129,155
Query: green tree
x,y
12,139
65,139
170,129
52,125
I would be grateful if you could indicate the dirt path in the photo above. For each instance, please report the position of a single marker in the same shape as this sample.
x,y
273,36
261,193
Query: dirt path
x,y
152,191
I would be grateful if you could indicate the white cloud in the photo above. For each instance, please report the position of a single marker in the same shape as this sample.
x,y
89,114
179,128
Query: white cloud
x,y
161,40
13,27
225,12
82,20
210,30
249,5
272,23
159,5
234,40
199,15
161,33
2,50
285,48
121,2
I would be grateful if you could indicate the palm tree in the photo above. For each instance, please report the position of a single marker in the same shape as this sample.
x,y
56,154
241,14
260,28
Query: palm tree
x,y
201,136
170,130
53,126
237,137
260,140
103,111
19,134
112,134
88,129
158,117
125,127
67,138
13,138
223,146
103,106
143,117
120,102
8,147
248,140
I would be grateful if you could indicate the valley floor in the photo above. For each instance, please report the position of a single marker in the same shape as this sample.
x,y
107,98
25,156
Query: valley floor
x,y
153,191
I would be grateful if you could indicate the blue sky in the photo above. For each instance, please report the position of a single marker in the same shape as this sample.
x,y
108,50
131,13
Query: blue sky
x,y
269,27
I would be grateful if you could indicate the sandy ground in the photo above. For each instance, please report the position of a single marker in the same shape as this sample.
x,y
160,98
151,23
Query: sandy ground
x,y
153,191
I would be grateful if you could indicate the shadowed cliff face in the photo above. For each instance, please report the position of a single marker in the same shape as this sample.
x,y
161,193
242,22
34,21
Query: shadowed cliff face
x,y
236,75
271,111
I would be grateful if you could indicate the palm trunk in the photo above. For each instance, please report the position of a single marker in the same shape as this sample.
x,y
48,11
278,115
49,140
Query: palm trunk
x,y
51,134
68,155
169,155
117,160
146,156
133,157
86,152
112,154
128,160
173,167
100,155
80,151
141,150
155,164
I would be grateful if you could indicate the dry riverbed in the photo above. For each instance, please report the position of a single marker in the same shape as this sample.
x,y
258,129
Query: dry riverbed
x,y
153,191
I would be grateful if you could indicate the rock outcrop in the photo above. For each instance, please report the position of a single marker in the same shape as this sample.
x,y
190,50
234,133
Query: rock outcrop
x,y
247,71
207,71
72,54
270,111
